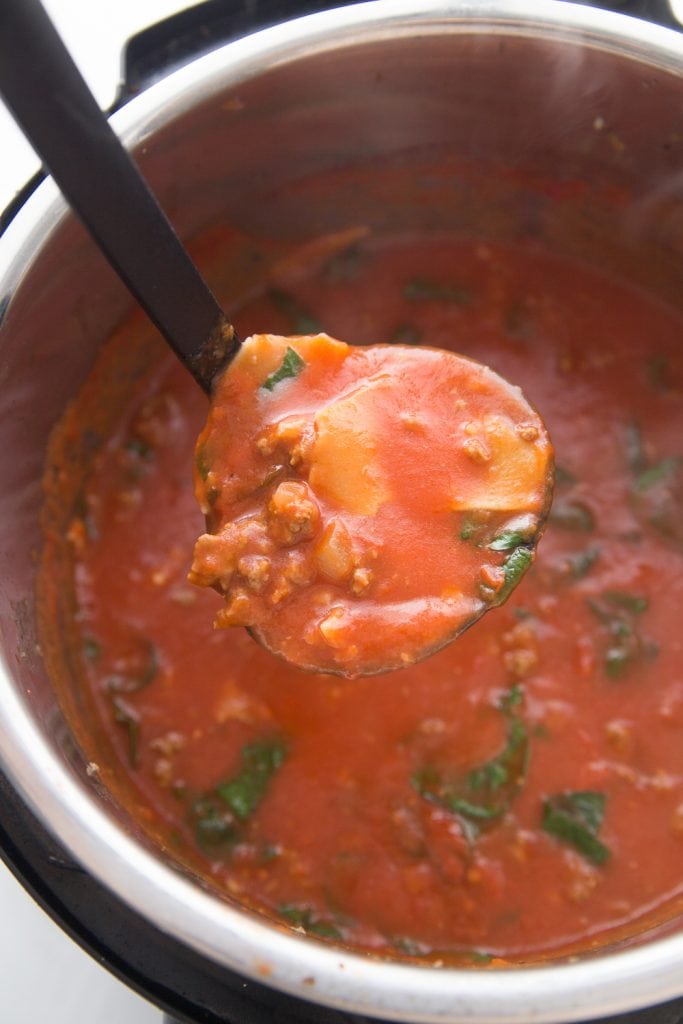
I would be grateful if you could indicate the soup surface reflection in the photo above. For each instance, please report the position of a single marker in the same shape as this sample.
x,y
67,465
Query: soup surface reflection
x,y
519,794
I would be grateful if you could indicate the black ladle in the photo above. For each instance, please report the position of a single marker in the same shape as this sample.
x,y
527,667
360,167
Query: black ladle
x,y
52,104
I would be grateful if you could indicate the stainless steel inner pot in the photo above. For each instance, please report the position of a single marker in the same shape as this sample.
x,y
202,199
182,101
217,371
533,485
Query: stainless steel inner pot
x,y
548,120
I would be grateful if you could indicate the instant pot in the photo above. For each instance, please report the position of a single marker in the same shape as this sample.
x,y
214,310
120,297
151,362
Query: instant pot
x,y
271,100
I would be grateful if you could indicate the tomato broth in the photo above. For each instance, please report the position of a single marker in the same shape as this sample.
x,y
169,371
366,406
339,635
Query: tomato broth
x,y
518,795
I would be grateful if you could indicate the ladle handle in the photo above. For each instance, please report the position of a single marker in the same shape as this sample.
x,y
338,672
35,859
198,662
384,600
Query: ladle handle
x,y
54,107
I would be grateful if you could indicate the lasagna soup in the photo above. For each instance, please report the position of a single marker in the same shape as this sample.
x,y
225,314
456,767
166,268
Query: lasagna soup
x,y
518,795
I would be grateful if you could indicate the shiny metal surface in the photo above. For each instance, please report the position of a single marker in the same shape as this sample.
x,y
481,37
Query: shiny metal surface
x,y
525,85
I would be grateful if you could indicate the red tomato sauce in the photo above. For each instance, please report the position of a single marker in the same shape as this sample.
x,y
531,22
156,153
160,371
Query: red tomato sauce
x,y
518,795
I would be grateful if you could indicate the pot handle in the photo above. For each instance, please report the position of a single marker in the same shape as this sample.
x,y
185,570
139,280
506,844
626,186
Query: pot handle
x,y
661,12
167,45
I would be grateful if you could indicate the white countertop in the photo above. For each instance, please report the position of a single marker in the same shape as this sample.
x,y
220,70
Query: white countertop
x,y
44,975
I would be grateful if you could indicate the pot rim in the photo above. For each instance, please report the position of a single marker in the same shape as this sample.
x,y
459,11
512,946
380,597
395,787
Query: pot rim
x,y
600,985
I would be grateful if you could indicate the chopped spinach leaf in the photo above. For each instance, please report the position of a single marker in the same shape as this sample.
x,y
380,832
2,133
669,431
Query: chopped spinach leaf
x,y
215,826
269,852
468,527
635,603
410,947
474,526
306,919
128,719
512,698
137,446
141,668
497,772
581,562
617,610
492,775
657,495
151,666
218,815
607,616
486,792
477,956
575,818
291,366
514,567
468,809
92,648
244,791
617,660
571,515
506,540
656,474
658,498
421,290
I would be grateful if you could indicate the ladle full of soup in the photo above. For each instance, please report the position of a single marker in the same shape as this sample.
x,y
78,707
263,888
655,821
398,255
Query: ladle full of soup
x,y
365,505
